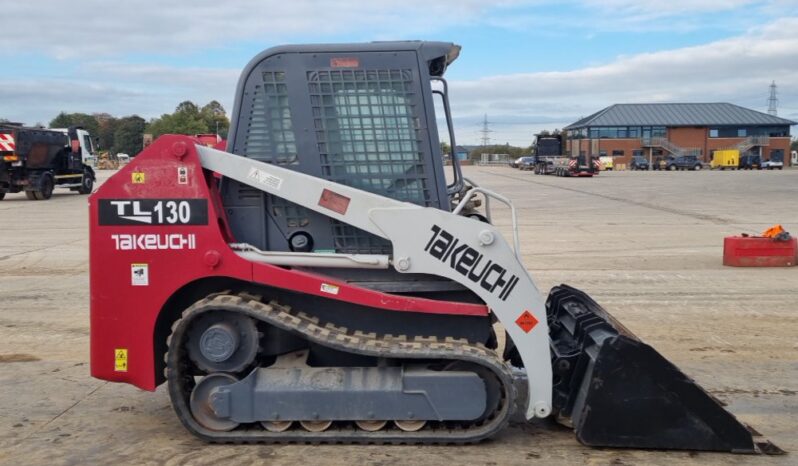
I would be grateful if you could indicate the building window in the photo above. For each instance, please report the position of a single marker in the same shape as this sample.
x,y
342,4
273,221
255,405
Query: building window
x,y
742,132
602,153
617,153
637,153
658,132
634,132
713,132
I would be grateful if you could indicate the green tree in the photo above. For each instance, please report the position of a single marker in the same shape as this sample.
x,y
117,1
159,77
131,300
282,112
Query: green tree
x,y
65,120
186,119
129,135
105,133
187,107
446,148
215,118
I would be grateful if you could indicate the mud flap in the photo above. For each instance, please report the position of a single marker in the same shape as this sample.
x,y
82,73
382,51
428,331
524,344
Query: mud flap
x,y
616,391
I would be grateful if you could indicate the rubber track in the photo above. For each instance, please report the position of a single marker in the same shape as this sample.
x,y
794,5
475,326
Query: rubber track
x,y
341,339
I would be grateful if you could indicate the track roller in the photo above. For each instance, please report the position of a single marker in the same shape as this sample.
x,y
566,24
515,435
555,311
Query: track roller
x,y
410,426
371,426
315,426
276,426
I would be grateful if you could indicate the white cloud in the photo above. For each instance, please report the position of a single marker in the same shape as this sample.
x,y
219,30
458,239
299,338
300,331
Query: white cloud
x,y
736,70
92,28
99,27
99,78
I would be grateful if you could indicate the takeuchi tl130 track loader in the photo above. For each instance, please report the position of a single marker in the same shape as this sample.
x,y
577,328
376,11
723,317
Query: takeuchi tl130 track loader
x,y
320,281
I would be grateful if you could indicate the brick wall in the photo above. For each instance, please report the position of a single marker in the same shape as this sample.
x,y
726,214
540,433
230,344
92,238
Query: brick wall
x,y
683,137
628,146
690,138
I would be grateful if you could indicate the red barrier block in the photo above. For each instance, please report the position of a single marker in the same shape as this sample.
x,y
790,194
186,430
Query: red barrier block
x,y
739,251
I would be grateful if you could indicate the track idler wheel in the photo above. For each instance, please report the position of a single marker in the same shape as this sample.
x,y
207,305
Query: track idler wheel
x,y
223,342
201,398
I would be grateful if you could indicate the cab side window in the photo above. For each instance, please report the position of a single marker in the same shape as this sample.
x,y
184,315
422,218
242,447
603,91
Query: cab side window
x,y
87,143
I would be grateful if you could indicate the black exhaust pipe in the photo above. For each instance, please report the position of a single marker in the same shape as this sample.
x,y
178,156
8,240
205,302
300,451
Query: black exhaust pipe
x,y
616,391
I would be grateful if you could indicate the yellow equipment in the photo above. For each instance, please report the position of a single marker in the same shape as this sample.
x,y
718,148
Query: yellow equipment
x,y
724,159
606,163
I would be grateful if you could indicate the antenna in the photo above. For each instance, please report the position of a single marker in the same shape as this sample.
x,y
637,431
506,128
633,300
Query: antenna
x,y
773,102
485,131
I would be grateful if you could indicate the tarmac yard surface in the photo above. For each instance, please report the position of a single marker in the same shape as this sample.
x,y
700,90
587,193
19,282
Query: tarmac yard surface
x,y
647,246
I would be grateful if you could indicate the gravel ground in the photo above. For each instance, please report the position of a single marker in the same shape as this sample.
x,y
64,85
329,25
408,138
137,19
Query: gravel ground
x,y
647,246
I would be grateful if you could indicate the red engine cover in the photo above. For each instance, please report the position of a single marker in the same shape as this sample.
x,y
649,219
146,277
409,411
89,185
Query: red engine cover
x,y
739,251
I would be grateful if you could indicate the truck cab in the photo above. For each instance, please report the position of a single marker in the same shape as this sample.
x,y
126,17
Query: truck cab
x,y
86,147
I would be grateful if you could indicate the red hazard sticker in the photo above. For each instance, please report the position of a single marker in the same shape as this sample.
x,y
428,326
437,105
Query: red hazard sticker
x,y
334,201
526,321
344,62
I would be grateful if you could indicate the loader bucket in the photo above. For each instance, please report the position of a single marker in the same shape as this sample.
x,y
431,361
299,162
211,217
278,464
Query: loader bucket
x,y
616,391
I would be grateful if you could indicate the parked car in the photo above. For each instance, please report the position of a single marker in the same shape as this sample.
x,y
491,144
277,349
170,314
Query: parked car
x,y
750,162
683,162
639,163
772,164
776,161
526,163
516,163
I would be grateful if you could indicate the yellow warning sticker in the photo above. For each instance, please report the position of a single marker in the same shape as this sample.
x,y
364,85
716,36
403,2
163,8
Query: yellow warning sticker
x,y
137,177
120,360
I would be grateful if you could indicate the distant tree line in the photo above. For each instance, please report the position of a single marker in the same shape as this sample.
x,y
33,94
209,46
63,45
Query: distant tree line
x,y
188,118
115,135
126,134
514,151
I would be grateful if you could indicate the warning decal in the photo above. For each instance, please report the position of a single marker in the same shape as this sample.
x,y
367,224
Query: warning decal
x,y
137,177
526,321
182,175
264,178
7,142
120,360
139,275
344,62
336,202
327,288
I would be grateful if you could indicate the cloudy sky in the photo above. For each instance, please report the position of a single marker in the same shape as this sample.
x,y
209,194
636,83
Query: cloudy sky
x,y
528,65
